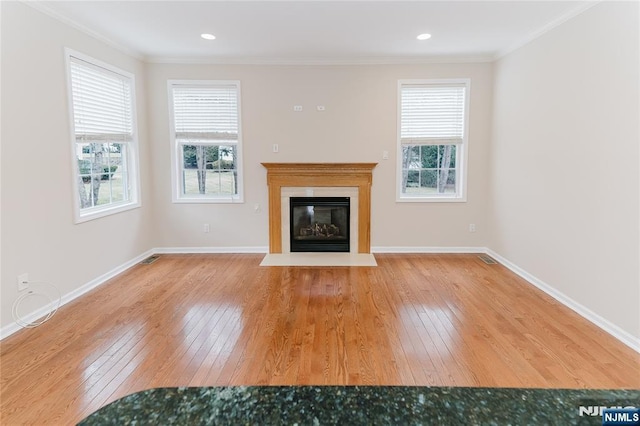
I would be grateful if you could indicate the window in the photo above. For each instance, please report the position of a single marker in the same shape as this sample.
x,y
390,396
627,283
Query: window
x,y
432,139
206,138
104,137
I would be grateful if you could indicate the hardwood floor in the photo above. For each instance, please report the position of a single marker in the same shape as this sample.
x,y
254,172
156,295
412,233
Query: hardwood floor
x,y
195,320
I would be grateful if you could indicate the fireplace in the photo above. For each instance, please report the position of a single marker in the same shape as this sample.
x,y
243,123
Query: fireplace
x,y
319,224
331,179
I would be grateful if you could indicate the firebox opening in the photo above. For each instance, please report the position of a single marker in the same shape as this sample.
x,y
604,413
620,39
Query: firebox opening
x,y
319,224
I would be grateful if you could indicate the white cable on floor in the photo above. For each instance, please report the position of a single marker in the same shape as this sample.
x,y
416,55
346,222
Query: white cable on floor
x,y
21,322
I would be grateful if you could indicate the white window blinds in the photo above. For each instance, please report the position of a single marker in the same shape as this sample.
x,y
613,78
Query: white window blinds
x,y
432,114
206,113
102,104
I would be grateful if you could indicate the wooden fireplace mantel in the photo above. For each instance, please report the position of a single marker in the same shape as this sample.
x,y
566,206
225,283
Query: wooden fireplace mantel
x,y
281,175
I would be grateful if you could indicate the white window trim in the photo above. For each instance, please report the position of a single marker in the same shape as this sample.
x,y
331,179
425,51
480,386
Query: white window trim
x,y
461,192
176,193
81,216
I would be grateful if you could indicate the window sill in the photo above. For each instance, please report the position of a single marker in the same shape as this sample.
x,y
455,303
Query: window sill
x,y
86,216
209,200
431,199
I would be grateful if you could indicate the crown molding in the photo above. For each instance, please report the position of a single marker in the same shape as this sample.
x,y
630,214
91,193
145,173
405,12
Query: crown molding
x,y
546,28
374,60
42,6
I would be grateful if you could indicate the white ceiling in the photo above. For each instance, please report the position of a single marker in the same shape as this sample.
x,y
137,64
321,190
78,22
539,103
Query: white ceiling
x,y
315,31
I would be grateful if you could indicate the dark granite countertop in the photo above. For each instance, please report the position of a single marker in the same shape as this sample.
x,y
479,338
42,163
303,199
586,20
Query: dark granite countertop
x,y
359,405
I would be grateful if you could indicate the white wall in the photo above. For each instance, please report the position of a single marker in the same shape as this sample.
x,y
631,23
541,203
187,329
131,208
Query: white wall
x,y
359,123
565,161
555,190
38,233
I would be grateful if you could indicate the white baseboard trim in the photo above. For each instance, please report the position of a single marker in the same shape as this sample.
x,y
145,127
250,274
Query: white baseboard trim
x,y
211,250
14,327
617,332
387,249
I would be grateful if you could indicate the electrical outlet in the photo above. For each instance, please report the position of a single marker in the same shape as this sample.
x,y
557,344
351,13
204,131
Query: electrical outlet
x,y
23,282
297,108
206,227
385,155
472,227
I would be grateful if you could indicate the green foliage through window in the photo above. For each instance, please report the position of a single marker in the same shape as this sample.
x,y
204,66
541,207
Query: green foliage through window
x,y
429,169
209,169
102,174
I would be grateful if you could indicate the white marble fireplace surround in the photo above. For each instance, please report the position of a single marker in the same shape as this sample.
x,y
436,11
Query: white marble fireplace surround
x,y
346,191
286,258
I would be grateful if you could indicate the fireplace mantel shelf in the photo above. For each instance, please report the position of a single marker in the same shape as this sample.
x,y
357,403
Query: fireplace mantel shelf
x,y
320,168
281,175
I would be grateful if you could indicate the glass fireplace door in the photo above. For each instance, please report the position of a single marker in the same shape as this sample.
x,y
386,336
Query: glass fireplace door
x,y
319,224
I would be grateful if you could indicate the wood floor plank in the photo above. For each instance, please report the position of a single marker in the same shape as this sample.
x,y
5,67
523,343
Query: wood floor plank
x,y
207,320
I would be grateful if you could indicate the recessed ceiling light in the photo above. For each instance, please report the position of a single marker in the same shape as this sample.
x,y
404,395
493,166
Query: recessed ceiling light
x,y
424,36
208,36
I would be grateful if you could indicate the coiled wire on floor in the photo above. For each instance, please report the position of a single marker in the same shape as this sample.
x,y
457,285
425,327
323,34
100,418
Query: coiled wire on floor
x,y
37,289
